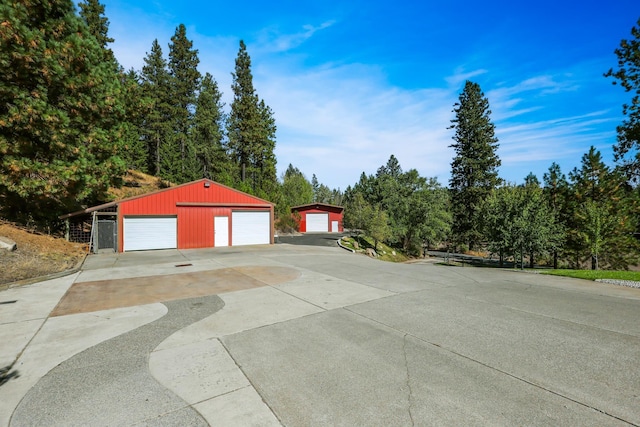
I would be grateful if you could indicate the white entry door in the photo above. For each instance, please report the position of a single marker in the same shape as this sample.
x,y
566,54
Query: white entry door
x,y
334,226
221,231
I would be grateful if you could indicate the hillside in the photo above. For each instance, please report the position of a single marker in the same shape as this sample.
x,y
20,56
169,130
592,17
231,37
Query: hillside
x,y
41,254
37,254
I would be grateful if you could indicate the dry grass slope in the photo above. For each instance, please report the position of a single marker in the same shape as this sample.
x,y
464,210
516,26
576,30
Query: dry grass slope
x,y
37,254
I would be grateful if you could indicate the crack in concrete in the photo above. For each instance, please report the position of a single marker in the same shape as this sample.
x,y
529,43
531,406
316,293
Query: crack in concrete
x,y
406,366
503,372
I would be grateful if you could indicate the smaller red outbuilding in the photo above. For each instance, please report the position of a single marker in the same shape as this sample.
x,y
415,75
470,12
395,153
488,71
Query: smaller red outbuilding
x,y
319,217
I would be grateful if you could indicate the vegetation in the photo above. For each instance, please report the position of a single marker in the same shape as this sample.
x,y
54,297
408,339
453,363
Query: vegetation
x,y
596,274
474,172
628,75
73,122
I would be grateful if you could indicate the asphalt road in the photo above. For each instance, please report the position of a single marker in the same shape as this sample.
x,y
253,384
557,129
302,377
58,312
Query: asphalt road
x,y
347,341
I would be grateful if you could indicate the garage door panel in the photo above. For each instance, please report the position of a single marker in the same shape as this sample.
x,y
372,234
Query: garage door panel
x,y
147,233
250,228
317,222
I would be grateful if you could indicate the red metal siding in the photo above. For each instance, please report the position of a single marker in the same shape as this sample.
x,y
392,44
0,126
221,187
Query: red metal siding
x,y
334,215
195,223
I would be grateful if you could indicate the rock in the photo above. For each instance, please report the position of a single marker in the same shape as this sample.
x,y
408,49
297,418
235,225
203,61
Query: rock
x,y
7,244
356,245
371,253
393,253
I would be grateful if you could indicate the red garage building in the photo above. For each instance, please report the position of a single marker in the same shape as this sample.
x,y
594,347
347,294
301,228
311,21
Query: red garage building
x,y
319,217
198,214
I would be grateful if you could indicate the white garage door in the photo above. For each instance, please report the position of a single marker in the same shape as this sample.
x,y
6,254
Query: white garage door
x,y
250,228
143,233
317,222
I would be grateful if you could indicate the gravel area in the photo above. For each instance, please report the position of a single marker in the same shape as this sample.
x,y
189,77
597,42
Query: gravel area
x,y
629,283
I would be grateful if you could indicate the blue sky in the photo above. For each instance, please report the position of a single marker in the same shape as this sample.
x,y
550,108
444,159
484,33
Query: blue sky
x,y
351,83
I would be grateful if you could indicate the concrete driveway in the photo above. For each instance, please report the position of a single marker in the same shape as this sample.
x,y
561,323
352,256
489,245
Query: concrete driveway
x,y
301,335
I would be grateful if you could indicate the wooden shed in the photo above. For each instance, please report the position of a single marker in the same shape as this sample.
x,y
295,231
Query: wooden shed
x,y
319,217
198,214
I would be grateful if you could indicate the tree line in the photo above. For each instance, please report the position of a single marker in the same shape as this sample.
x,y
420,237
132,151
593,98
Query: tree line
x,y
73,121
588,219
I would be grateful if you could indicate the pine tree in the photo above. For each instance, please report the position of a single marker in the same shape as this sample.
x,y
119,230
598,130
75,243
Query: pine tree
x,y
474,172
135,149
184,81
251,131
59,111
92,12
155,129
628,75
605,212
208,132
555,191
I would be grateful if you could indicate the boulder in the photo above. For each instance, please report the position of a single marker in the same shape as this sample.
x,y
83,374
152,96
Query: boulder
x,y
7,244
371,253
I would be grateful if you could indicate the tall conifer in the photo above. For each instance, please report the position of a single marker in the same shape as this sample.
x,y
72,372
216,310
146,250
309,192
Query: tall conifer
x,y
60,111
155,129
184,82
474,170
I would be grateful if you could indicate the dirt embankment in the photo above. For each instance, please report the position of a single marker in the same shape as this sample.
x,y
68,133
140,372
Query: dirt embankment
x,y
36,255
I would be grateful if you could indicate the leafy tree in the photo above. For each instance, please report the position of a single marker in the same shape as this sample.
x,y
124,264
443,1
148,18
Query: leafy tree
x,y
628,75
474,172
356,212
208,132
60,111
377,225
517,221
417,208
296,189
183,82
156,129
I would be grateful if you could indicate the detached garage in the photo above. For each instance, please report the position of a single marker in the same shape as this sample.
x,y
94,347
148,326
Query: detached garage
x,y
197,214
319,218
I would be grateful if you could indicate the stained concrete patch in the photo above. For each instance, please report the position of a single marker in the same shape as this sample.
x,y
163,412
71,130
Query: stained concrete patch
x,y
110,384
84,297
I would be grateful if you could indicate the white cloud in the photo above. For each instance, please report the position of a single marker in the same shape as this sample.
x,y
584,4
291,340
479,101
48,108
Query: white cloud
x,y
271,40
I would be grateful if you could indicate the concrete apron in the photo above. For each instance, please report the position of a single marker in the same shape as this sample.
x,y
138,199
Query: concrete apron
x,y
88,313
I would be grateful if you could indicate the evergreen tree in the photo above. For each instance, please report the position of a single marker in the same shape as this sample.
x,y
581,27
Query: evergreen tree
x,y
628,75
605,212
183,83
555,192
92,12
155,129
244,121
134,148
474,172
251,131
60,111
264,159
208,132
